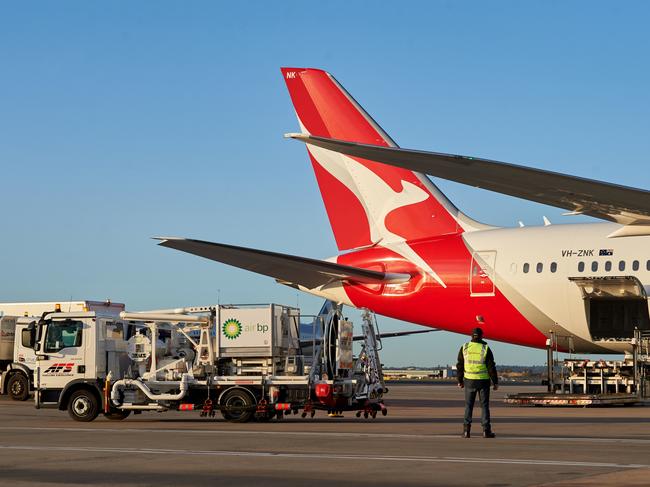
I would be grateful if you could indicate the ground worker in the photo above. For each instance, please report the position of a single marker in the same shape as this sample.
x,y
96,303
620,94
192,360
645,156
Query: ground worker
x,y
476,369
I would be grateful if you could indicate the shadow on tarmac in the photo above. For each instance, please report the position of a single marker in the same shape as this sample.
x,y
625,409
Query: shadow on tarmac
x,y
346,419
77,477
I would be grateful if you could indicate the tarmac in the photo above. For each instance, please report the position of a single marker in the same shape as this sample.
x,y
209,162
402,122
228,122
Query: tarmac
x,y
418,443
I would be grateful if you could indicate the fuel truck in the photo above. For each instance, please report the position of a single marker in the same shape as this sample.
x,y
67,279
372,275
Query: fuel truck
x,y
242,361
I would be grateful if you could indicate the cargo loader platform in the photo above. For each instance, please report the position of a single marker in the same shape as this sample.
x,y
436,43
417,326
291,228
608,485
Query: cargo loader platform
x,y
580,400
586,382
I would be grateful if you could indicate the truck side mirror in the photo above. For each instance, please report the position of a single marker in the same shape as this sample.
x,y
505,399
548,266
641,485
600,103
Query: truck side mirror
x,y
28,336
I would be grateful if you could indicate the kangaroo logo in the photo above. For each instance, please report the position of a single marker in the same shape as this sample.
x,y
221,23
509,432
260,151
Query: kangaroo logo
x,y
378,200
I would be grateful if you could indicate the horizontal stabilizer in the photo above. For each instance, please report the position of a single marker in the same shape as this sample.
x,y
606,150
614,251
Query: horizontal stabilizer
x,y
289,269
613,202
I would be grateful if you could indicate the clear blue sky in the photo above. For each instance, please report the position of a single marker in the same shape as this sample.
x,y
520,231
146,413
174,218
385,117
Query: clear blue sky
x,y
124,120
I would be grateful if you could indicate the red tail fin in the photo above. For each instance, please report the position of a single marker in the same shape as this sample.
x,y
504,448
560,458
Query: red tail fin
x,y
367,202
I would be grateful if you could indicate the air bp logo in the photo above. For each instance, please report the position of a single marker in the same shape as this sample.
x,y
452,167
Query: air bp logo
x,y
231,328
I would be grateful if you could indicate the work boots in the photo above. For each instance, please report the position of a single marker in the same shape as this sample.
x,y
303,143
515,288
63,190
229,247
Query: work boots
x,y
487,433
466,429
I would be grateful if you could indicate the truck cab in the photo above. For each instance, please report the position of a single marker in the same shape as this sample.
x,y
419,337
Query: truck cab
x,y
17,357
69,372
17,374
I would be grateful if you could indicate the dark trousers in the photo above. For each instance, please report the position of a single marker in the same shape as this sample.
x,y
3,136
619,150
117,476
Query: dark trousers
x,y
482,388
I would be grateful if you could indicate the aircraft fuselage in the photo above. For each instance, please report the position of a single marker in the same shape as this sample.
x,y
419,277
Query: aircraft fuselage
x,y
518,284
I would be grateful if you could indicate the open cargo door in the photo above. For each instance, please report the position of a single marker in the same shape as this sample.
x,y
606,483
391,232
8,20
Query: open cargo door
x,y
615,306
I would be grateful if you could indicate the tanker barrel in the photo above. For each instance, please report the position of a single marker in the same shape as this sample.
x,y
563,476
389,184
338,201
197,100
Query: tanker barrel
x,y
171,318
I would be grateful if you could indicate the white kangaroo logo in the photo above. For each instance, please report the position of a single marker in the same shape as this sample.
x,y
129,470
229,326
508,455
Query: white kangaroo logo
x,y
378,200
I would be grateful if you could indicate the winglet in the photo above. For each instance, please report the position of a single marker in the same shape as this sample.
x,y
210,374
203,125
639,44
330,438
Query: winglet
x,y
297,135
165,239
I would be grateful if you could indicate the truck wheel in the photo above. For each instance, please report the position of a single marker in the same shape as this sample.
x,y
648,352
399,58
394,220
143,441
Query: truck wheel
x,y
239,404
18,387
83,405
117,415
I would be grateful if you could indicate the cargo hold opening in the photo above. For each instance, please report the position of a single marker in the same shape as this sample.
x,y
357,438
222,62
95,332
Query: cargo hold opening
x,y
614,306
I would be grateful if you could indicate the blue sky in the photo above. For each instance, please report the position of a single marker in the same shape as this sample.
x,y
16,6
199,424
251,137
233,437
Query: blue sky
x,y
125,120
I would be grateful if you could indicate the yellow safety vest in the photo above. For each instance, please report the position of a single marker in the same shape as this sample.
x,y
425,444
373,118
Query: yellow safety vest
x,y
474,355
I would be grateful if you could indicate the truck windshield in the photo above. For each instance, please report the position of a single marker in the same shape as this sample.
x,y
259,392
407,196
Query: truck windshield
x,y
63,334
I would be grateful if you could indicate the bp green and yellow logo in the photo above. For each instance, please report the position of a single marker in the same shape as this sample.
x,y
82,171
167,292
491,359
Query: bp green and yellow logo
x,y
231,328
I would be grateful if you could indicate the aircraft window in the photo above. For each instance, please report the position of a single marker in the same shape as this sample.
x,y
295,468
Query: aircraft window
x,y
553,266
647,265
621,265
475,271
526,268
594,266
608,265
540,267
581,266
635,265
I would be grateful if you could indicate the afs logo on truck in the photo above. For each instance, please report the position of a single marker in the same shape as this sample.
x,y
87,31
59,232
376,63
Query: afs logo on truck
x,y
59,369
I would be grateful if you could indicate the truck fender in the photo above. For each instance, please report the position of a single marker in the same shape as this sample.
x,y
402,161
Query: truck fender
x,y
249,391
16,366
75,385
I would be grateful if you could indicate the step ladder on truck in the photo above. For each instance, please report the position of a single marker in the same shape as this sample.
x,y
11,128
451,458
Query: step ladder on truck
x,y
244,361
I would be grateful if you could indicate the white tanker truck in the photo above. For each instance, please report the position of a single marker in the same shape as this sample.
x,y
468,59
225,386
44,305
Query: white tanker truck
x,y
244,361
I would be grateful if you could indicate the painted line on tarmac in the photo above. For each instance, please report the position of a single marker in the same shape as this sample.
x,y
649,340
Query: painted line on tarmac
x,y
339,434
320,456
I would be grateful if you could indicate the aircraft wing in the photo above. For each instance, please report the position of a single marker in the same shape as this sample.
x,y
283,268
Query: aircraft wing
x,y
613,202
288,269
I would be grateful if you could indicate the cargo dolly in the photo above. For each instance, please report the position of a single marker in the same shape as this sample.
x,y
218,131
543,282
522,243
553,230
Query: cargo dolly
x,y
585,382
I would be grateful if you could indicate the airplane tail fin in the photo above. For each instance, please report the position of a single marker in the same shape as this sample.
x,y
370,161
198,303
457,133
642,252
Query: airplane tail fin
x,y
367,202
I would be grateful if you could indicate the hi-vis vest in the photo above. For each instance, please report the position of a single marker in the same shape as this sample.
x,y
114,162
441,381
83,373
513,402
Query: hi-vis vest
x,y
474,355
